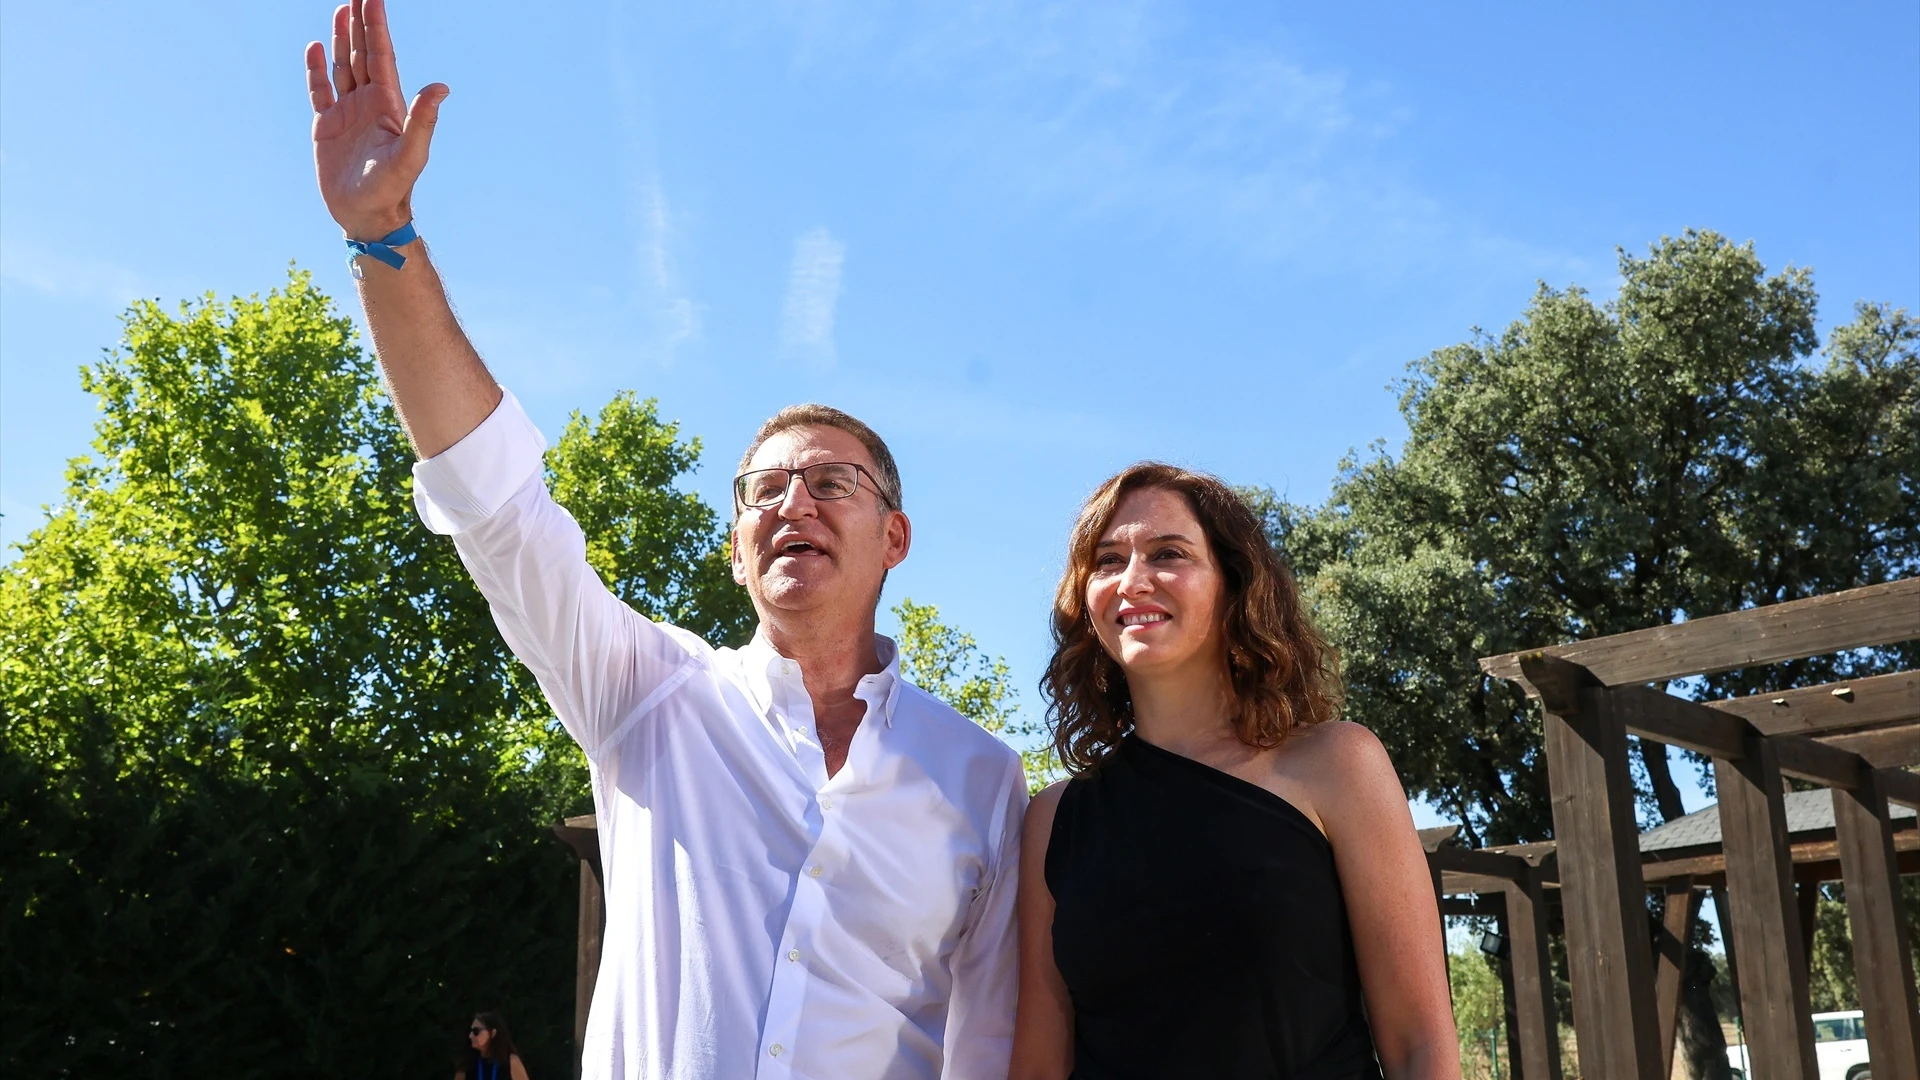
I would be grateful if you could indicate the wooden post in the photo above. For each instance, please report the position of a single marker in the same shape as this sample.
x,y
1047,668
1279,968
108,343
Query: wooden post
x,y
1536,1023
1883,968
1439,900
1670,963
1807,905
1774,1002
593,924
1609,946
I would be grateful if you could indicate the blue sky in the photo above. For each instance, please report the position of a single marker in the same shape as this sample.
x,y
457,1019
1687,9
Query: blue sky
x,y
1030,243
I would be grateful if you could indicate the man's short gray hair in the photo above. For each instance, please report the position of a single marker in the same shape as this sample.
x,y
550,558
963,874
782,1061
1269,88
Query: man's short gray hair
x,y
811,415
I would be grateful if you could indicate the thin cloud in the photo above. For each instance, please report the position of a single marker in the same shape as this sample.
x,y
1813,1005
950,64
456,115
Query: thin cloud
x,y
56,274
676,317
813,292
1129,112
671,317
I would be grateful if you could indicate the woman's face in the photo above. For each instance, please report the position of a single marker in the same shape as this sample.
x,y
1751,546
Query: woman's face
x,y
1155,591
479,1036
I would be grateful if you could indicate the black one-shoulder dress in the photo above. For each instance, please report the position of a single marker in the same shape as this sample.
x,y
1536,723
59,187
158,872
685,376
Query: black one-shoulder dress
x,y
1200,928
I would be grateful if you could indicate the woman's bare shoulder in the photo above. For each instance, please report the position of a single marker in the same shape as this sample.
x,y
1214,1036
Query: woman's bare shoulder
x,y
1041,808
1336,760
1341,745
1037,830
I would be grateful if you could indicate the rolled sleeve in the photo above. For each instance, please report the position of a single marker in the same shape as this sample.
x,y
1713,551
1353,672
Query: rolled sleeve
x,y
468,482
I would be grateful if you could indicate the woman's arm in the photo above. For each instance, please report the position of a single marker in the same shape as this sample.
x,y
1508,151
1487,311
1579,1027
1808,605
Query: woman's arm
x,y
1043,1021
514,1067
1390,903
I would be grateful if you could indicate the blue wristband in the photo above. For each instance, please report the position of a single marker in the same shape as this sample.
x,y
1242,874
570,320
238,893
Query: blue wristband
x,y
381,249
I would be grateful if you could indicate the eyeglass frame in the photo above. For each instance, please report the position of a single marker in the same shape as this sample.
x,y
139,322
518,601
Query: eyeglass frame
x,y
860,470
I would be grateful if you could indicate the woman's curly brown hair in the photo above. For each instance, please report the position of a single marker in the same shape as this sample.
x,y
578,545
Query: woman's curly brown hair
x,y
1284,673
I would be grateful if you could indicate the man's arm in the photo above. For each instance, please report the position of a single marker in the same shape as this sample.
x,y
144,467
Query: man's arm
x,y
979,1036
369,149
479,478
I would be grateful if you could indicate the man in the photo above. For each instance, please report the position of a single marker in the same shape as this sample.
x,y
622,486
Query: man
x,y
809,863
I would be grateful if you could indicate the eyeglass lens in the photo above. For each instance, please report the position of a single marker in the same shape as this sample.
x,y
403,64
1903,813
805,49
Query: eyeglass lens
x,y
826,480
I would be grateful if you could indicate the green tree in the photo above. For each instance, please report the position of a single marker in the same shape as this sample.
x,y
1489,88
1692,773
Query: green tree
x,y
283,788
1596,468
1479,1007
949,664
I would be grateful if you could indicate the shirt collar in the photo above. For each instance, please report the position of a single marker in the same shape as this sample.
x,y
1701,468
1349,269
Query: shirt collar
x,y
766,668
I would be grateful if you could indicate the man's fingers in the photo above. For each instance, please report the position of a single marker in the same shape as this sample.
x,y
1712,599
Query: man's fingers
x,y
318,89
357,34
342,51
422,115
380,62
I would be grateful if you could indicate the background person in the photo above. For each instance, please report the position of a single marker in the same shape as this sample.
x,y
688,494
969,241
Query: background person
x,y
490,1054
1230,885
810,863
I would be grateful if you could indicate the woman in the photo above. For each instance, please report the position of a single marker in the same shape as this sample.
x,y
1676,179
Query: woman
x,y
492,1056
1230,885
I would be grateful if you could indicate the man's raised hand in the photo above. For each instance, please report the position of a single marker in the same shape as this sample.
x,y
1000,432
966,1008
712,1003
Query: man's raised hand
x,y
368,146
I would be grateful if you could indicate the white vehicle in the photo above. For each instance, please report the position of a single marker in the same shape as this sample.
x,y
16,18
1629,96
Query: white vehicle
x,y
1839,1048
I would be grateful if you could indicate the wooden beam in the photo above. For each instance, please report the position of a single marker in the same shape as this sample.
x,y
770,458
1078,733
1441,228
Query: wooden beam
x,y
1538,853
1806,898
1479,863
1536,1018
1609,947
1480,904
1882,748
1883,968
1810,759
1899,786
1676,721
1810,859
583,836
1841,706
1674,934
1856,618
1692,725
1774,1001
586,970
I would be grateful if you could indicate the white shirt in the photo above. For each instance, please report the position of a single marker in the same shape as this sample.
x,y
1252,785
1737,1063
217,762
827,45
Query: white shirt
x,y
763,919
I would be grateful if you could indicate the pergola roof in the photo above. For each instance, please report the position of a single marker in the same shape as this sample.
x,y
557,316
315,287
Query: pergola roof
x,y
1807,812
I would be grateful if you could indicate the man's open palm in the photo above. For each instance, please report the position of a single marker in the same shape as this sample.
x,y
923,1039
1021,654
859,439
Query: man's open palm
x,y
368,146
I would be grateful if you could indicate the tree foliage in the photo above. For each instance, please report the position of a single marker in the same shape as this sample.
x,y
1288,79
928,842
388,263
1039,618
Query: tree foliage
x,y
284,790
1597,468
1479,1003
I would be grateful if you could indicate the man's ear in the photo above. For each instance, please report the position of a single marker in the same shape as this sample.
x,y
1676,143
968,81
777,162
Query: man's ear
x,y
733,555
899,538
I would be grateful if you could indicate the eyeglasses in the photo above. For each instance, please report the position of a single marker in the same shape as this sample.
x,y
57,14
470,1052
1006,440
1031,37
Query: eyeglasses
x,y
824,480
475,1030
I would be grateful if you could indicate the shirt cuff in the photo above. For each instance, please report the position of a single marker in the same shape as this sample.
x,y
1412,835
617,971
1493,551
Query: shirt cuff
x,y
467,482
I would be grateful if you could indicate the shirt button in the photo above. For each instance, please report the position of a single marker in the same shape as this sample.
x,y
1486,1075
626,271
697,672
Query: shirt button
x,y
793,954
826,804
775,1049
814,871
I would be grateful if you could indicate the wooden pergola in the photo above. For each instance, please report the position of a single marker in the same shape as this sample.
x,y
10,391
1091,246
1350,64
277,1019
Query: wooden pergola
x,y
1679,861
1852,738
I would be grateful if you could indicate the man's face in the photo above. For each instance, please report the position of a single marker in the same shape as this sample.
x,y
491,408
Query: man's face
x,y
808,554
